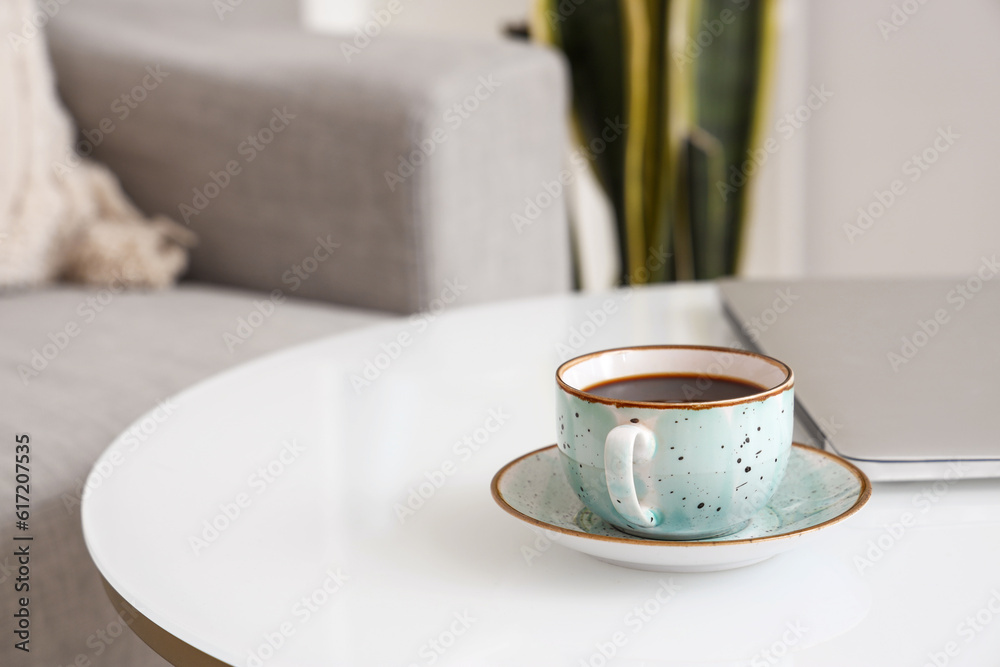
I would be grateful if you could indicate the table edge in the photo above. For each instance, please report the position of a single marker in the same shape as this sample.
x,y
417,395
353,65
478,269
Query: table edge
x,y
175,651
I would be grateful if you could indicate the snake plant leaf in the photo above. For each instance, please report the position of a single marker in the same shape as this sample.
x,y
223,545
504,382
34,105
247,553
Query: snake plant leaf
x,y
691,81
706,166
658,182
767,48
726,83
639,140
680,118
592,37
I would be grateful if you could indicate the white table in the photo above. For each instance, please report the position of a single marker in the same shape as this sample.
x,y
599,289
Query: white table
x,y
318,557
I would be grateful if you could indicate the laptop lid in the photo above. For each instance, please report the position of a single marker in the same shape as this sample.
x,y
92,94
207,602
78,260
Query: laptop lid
x,y
902,377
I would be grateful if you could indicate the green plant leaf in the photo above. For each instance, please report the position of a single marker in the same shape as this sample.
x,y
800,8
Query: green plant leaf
x,y
592,36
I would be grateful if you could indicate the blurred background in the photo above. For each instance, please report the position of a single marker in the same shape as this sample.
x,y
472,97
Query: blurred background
x,y
899,75
758,138
294,170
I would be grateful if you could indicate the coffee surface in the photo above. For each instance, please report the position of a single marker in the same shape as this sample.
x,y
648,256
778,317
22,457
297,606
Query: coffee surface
x,y
674,388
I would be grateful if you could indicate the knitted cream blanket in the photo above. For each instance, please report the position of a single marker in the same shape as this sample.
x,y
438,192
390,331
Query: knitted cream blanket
x,y
64,223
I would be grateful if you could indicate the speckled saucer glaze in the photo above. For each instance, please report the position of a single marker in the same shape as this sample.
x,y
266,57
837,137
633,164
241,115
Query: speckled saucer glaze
x,y
818,490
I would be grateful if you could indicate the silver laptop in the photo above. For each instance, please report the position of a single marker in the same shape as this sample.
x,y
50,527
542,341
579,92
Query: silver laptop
x,y
900,377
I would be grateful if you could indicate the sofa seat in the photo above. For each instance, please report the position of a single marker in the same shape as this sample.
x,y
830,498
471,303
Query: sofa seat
x,y
80,366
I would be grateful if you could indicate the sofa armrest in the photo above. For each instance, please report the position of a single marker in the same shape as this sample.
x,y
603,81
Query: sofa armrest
x,y
368,175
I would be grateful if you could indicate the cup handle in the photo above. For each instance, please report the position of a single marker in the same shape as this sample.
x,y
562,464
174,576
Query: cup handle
x,y
624,445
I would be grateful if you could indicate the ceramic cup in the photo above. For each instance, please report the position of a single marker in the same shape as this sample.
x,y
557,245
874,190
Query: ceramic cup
x,y
675,471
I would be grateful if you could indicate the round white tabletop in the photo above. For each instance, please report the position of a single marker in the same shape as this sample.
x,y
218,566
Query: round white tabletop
x,y
330,505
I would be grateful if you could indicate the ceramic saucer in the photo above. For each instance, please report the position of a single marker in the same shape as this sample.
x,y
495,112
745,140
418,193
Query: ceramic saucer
x,y
818,491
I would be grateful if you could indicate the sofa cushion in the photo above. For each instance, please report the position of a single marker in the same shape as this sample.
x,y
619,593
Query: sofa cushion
x,y
425,160
80,366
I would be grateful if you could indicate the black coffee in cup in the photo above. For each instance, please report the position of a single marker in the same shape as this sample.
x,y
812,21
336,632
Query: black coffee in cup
x,y
674,388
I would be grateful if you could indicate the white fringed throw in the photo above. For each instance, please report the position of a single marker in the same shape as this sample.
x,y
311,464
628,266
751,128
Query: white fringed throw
x,y
56,223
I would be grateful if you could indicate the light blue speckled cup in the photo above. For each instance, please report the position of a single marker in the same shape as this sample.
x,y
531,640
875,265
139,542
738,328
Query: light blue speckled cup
x,y
675,471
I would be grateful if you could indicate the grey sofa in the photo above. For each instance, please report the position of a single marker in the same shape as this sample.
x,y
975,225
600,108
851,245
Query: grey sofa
x,y
309,225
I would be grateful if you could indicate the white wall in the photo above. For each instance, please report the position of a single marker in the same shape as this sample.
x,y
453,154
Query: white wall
x,y
894,95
